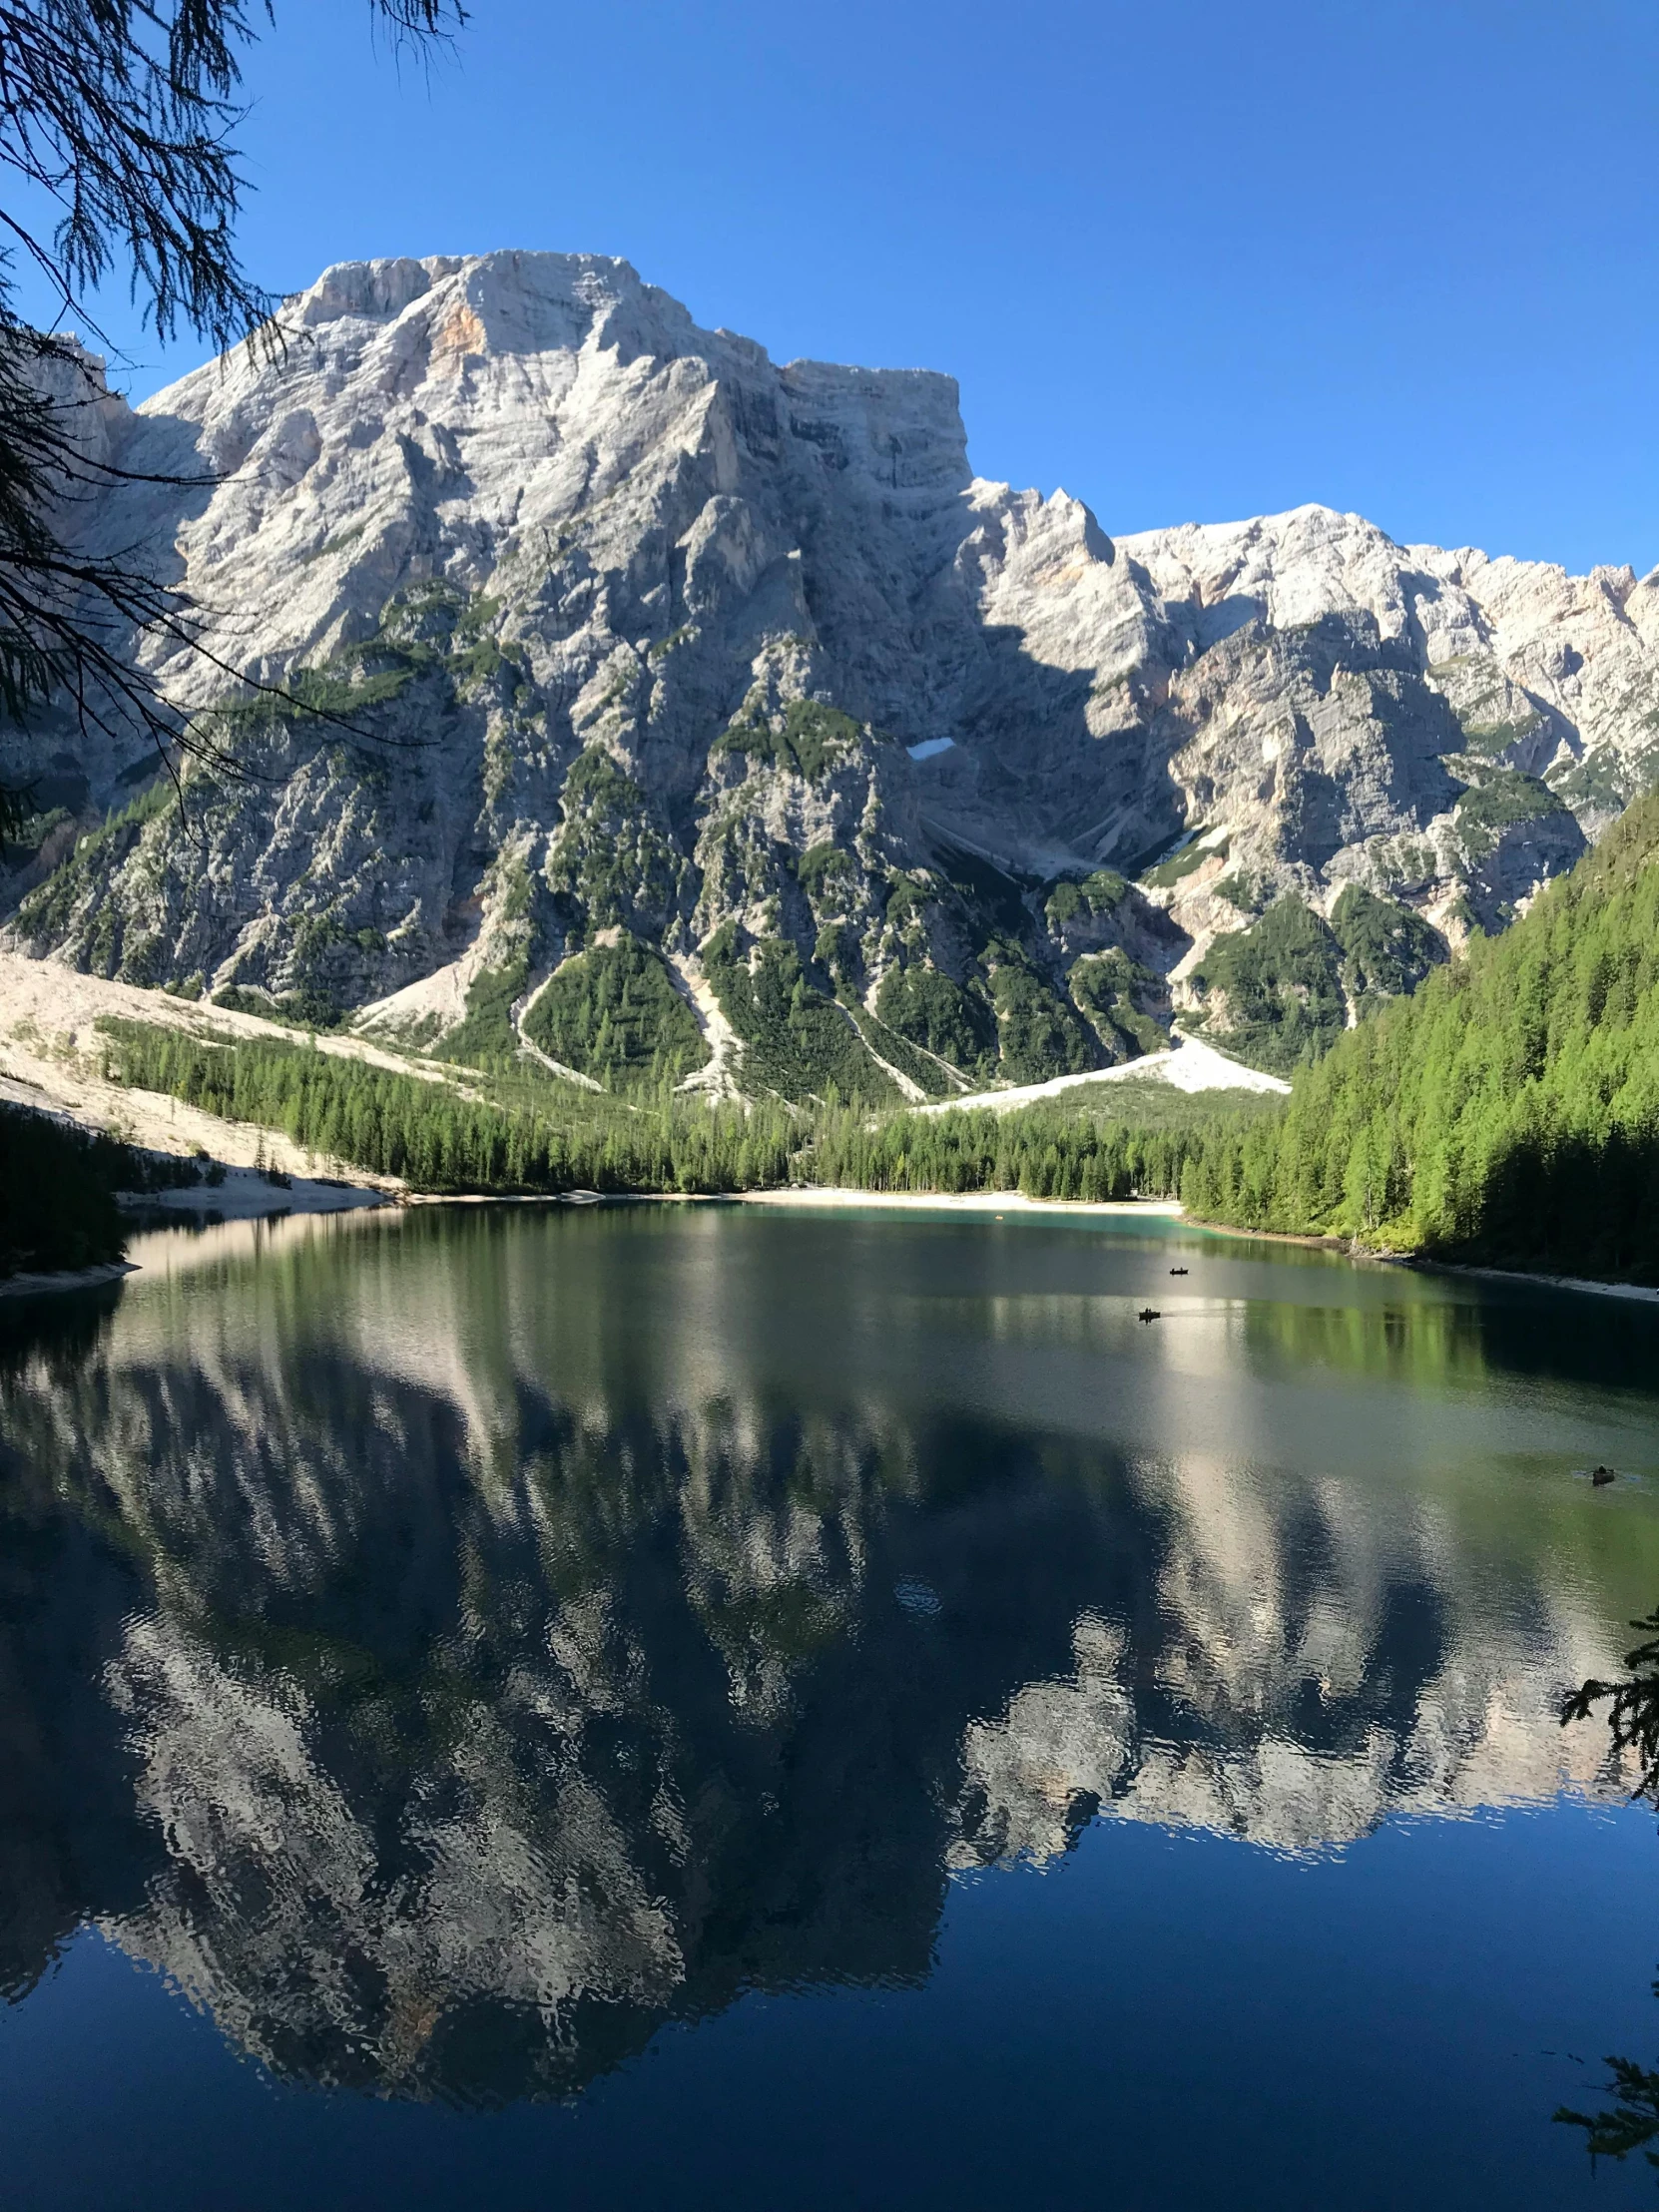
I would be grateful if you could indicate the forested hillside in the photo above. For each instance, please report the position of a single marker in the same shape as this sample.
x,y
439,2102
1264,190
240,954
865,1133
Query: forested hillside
x,y
1134,1141
1507,1113
57,1193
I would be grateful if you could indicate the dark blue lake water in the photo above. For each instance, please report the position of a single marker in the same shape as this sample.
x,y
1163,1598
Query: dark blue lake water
x,y
722,1708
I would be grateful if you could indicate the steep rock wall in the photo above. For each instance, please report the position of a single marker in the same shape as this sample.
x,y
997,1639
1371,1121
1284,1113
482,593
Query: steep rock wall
x,y
616,625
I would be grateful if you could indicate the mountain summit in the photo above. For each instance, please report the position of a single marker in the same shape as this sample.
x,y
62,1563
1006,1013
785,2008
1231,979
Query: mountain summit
x,y
695,717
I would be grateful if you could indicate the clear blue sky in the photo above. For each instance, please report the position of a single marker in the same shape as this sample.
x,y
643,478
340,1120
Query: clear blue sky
x,y
1190,263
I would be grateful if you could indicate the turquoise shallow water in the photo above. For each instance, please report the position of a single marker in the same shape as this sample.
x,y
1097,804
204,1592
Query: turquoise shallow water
x,y
730,1707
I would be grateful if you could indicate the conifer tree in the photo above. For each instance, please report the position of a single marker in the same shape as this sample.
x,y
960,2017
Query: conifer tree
x,y
118,113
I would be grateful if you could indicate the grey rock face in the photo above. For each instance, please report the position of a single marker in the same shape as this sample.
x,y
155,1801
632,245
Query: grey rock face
x,y
617,625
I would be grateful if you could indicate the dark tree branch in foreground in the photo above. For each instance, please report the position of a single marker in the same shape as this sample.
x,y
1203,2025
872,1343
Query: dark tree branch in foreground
x,y
120,110
118,113
1633,1707
1632,2122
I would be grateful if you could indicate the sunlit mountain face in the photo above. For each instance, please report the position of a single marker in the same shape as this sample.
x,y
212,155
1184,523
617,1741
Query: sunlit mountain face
x,y
448,1647
726,676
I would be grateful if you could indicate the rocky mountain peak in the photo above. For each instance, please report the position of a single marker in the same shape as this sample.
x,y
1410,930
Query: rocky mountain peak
x,y
641,656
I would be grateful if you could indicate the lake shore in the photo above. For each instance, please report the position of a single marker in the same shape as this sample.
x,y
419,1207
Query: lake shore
x,y
809,1196
1637,1291
244,1194
965,1202
65,1278
247,1193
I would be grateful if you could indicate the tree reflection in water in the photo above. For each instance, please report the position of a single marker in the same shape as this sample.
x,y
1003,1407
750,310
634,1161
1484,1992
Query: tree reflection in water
x,y
448,1651
1633,1707
1631,2122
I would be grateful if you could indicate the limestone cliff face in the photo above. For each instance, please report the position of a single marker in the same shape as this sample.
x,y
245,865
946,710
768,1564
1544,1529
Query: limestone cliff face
x,y
620,627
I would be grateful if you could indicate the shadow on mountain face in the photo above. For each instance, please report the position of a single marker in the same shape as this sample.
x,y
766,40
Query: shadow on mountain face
x,y
1030,781
449,1657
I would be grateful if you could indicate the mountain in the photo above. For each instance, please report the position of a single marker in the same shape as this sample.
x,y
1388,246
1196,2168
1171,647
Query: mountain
x,y
688,717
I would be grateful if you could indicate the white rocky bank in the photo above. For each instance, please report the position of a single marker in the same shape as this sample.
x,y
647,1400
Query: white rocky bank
x,y
655,532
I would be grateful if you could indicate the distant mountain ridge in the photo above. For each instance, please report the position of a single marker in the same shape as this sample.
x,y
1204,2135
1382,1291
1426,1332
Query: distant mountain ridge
x,y
708,722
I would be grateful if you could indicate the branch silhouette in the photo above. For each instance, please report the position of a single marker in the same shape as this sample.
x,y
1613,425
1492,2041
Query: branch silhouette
x,y
1633,1707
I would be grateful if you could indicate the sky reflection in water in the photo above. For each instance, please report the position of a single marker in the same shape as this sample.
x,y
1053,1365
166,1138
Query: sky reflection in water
x,y
787,1710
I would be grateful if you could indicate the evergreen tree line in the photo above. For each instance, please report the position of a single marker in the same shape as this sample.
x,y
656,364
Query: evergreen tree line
x,y
438,1138
1038,1151
1506,1113
57,1192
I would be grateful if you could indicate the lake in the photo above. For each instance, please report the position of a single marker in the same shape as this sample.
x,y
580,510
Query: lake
x,y
736,1707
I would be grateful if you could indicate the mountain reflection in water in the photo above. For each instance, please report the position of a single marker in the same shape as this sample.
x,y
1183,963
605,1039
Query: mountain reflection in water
x,y
449,1646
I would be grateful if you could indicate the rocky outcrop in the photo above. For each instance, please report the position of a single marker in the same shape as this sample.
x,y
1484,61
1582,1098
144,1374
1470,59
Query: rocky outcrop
x,y
585,619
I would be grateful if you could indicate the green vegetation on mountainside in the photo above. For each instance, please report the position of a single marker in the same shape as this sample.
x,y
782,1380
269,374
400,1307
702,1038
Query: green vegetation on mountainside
x,y
1387,949
925,1072
1107,987
342,757
49,907
615,1014
1507,1113
810,738
1273,993
611,861
1278,994
940,1016
1502,798
430,628
295,1009
796,1042
1186,859
1013,1020
1093,896
538,1135
1040,1033
1604,779
484,1037
549,1137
